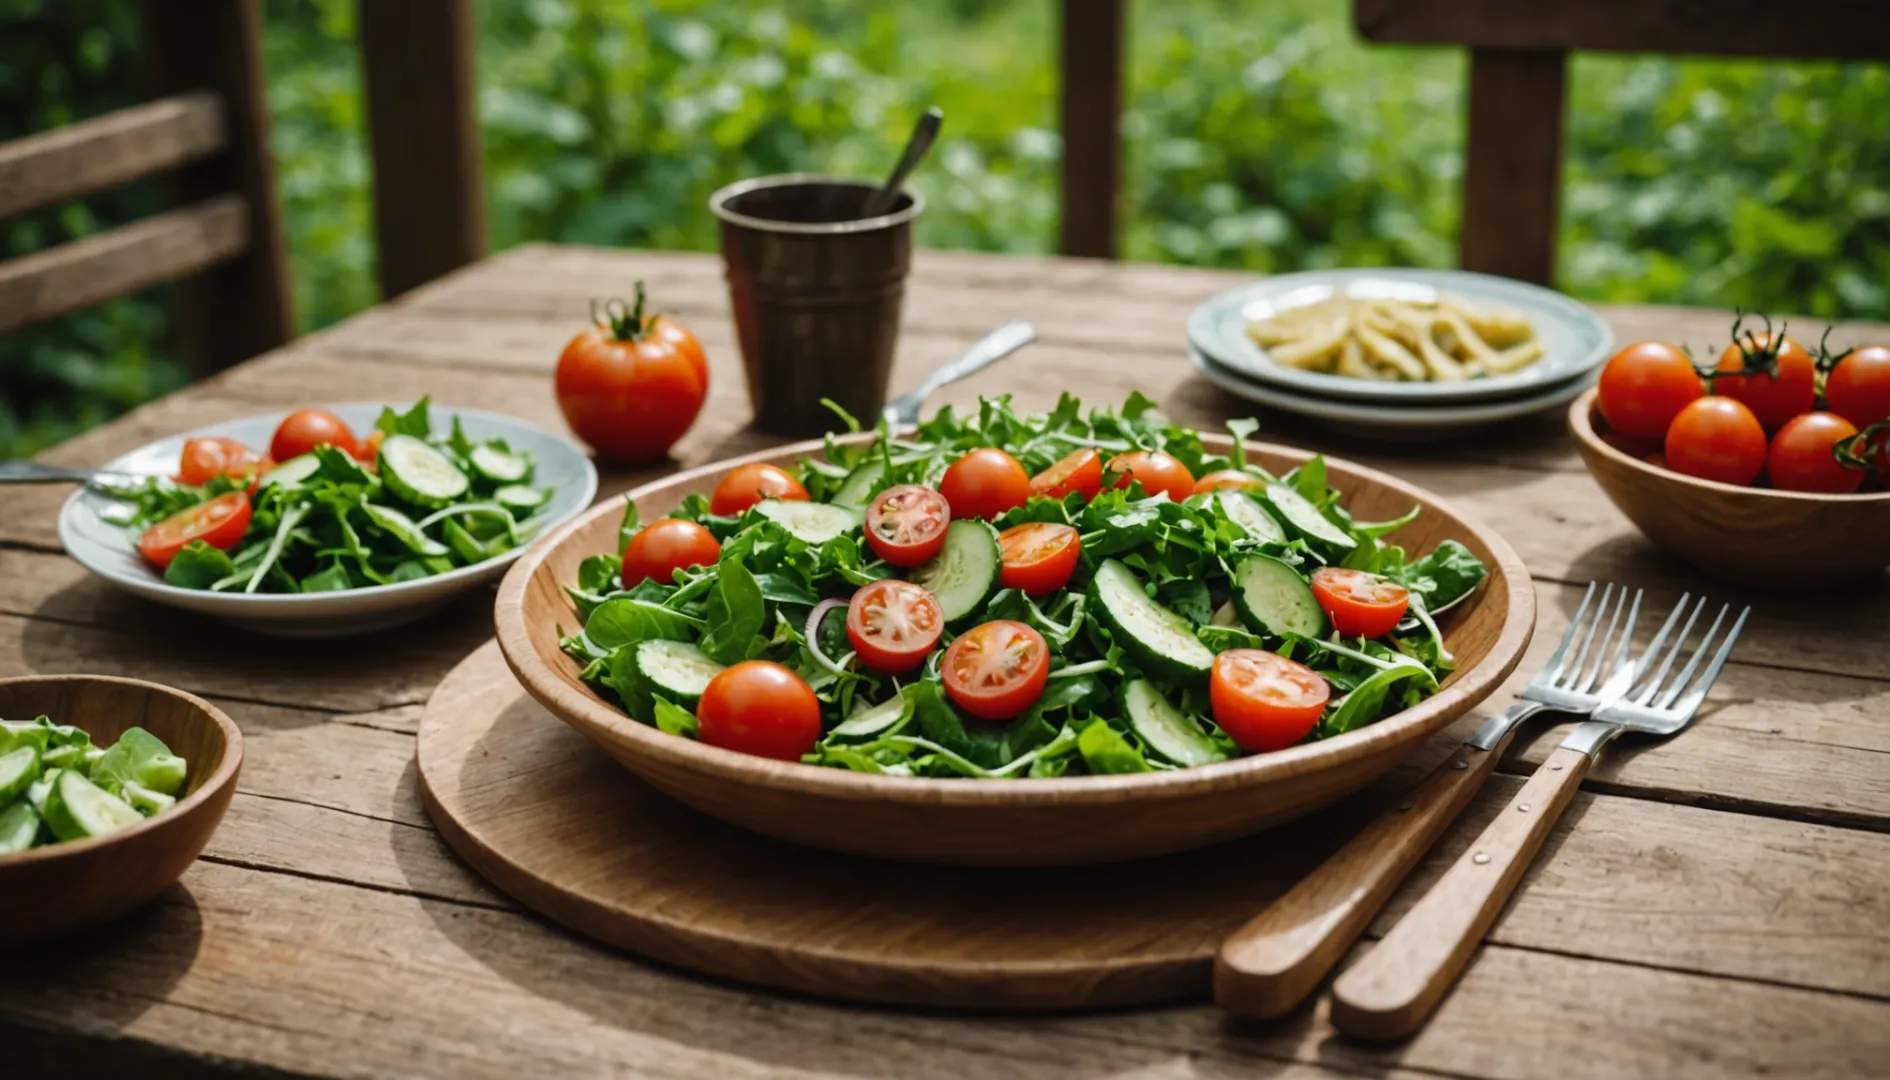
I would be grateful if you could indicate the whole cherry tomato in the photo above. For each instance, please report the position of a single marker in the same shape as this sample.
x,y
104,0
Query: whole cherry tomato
x,y
1803,455
1785,379
1645,386
1080,472
1716,438
368,451
1155,471
894,625
1228,480
997,670
211,456
905,525
631,385
759,707
220,522
1359,604
663,547
985,483
1858,388
1038,557
746,485
307,429
1263,700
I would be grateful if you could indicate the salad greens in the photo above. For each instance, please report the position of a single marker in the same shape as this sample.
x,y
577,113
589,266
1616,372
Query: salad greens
x,y
1122,696
430,502
56,786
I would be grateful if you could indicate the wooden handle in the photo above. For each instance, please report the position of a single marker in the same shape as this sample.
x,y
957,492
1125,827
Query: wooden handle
x,y
1267,967
1389,993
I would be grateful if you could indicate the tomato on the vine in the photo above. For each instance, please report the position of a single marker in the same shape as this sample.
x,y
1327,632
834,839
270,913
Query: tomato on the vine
x,y
985,483
306,429
631,384
759,707
1784,379
1155,471
746,485
220,522
210,456
1038,557
1228,480
1359,604
1858,388
663,547
997,670
1803,455
1717,438
905,525
894,625
1080,472
1644,386
1265,701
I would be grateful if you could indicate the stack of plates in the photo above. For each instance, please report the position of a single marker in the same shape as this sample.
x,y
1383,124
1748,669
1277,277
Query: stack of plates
x,y
1575,343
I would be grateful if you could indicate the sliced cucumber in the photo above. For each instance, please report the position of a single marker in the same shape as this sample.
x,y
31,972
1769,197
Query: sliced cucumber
x,y
1273,599
404,529
18,769
60,757
676,669
1167,730
19,824
857,489
520,497
420,474
499,466
874,720
291,473
42,788
1161,640
813,522
1243,510
1225,615
964,573
1304,518
78,808
145,801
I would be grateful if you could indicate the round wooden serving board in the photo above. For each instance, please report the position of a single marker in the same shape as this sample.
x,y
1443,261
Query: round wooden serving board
x,y
556,823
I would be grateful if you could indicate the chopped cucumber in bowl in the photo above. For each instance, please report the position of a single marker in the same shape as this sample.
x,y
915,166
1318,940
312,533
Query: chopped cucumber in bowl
x,y
87,794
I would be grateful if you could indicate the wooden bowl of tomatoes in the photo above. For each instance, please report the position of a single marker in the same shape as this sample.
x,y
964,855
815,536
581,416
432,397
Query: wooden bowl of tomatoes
x,y
1769,469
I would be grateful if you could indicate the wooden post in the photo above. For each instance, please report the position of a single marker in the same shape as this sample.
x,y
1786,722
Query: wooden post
x,y
244,305
1512,178
1092,62
423,129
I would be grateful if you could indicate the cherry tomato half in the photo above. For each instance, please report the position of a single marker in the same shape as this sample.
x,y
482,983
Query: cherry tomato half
x,y
303,431
759,707
1645,386
905,525
746,485
1801,456
1858,389
1228,480
894,625
212,456
1080,472
663,547
1038,556
985,483
1157,472
1773,398
1359,604
1265,701
221,523
1716,438
997,670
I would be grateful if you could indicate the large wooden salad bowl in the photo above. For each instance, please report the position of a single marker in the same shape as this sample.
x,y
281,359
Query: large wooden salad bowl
x,y
1040,822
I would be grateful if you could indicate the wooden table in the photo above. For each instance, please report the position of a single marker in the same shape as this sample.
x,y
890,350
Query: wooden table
x,y
1714,906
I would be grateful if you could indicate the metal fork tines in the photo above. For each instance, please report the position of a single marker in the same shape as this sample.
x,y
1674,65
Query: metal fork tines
x,y
1581,681
1653,703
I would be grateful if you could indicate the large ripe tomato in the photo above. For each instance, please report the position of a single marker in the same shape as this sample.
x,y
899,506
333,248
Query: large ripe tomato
x,y
631,385
1228,480
1645,386
759,707
1359,604
1157,472
212,456
997,670
1716,438
905,525
663,547
221,523
1038,556
894,625
1786,379
985,483
1803,455
307,429
1080,472
1858,388
1265,701
746,485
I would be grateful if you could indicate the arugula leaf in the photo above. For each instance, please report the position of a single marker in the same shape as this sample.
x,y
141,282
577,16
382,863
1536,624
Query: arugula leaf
x,y
198,566
414,421
1444,576
333,578
736,613
674,719
623,620
1366,702
629,527
1105,751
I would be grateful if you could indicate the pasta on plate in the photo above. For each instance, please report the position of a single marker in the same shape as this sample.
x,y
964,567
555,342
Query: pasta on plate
x,y
1447,339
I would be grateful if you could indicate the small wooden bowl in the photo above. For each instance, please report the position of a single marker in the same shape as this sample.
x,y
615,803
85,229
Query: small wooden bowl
x,y
1089,819
1748,536
63,888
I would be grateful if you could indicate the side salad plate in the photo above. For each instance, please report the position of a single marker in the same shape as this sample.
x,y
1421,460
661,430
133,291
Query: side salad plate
x,y
327,543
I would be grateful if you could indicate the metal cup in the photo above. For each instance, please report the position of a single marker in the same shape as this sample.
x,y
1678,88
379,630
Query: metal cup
x,y
816,290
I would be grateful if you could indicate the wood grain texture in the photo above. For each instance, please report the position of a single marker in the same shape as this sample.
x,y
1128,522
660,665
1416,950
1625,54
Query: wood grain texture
x,y
61,889
80,158
1808,29
1512,173
81,273
1016,822
1737,533
1091,58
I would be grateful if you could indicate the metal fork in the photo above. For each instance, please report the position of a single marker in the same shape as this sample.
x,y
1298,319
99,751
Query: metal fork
x,y
1390,992
1267,967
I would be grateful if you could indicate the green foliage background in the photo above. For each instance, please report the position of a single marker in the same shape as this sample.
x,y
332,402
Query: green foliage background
x,y
1260,135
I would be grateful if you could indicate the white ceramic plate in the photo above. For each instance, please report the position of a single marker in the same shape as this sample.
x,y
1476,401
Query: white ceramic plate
x,y
1406,423
1575,340
107,548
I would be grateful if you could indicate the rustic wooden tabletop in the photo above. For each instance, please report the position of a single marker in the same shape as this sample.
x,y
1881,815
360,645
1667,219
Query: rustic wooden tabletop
x,y
1718,905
